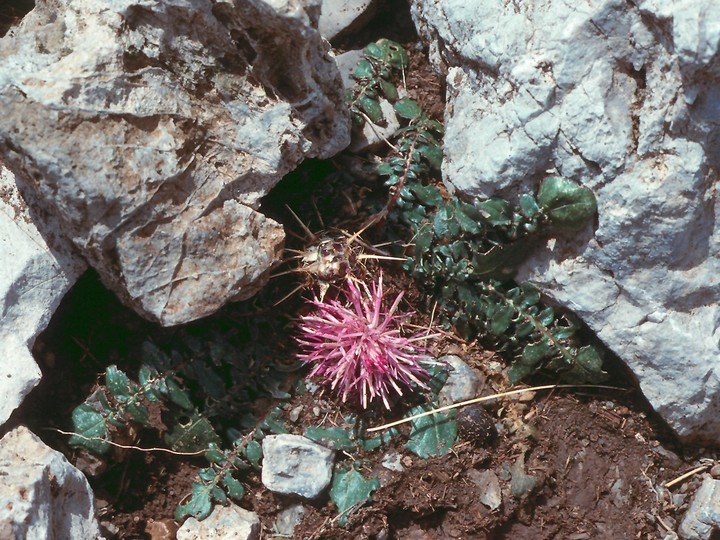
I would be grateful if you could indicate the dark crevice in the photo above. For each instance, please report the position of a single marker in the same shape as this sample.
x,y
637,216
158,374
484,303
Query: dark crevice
x,y
12,12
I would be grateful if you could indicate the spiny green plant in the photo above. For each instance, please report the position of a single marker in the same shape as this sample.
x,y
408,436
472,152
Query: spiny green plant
x,y
466,254
160,400
374,77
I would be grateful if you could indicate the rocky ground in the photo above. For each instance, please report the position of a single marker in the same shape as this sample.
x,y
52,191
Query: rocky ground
x,y
564,464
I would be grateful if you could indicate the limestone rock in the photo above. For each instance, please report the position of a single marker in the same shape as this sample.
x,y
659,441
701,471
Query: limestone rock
x,y
293,464
623,98
288,519
341,17
38,267
703,516
224,523
153,129
43,497
463,382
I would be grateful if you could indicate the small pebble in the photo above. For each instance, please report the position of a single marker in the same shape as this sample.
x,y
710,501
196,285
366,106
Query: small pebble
x,y
294,415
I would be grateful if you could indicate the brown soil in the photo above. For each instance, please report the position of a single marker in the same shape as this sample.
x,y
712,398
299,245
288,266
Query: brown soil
x,y
599,458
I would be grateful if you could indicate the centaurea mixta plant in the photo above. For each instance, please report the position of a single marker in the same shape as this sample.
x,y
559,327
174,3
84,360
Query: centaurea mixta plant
x,y
358,348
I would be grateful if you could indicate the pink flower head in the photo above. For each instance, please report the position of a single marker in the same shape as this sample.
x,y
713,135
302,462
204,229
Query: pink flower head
x,y
358,348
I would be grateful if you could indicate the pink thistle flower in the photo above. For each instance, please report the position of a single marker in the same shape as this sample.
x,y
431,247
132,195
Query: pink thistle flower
x,y
358,348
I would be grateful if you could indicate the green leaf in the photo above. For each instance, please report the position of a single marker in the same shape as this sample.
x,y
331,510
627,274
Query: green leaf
x,y
388,89
151,382
529,206
566,203
546,316
495,211
433,154
466,223
395,55
372,108
587,367
197,433
364,70
376,442
272,422
432,435
533,353
254,453
199,506
139,413
374,51
438,377
530,295
234,488
207,475
427,195
91,429
385,169
335,437
349,490
118,383
178,396
518,371
214,455
501,320
408,108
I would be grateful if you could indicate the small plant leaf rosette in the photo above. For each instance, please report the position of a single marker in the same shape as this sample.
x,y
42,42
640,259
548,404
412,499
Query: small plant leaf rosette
x,y
357,347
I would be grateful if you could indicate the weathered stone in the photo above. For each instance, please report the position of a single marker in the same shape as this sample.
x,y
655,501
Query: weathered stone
x,y
153,129
489,487
463,382
341,17
42,496
224,523
623,98
38,267
703,516
293,464
288,519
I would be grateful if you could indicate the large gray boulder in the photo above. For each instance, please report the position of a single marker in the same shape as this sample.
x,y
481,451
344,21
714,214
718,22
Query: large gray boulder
x,y
42,496
623,97
153,128
38,267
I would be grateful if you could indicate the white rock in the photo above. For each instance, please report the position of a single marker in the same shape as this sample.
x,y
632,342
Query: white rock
x,y
463,382
703,516
288,519
38,267
623,98
293,464
42,496
392,462
153,129
224,523
340,17
489,486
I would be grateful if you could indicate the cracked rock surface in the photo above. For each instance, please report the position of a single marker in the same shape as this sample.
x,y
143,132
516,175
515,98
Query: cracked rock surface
x,y
623,98
152,130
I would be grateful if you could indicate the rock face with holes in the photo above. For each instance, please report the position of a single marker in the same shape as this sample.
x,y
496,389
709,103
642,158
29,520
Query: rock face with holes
x,y
623,97
153,129
38,267
42,495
